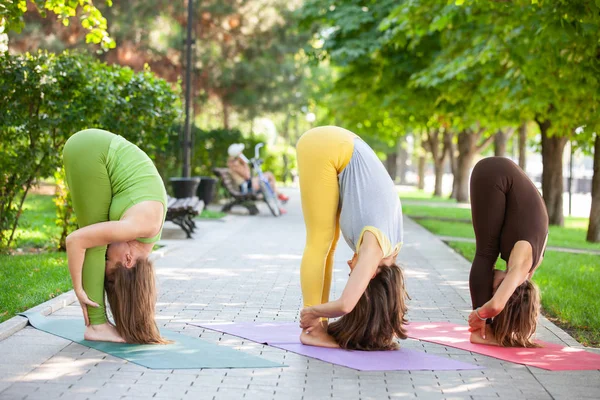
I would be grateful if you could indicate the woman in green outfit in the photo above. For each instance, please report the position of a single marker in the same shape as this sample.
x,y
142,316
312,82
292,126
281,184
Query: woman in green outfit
x,y
120,203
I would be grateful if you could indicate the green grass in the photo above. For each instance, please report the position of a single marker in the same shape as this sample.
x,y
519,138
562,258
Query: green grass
x,y
209,214
569,285
436,212
419,195
445,228
37,225
572,235
28,280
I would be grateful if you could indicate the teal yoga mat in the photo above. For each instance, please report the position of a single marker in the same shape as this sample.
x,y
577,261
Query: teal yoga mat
x,y
185,353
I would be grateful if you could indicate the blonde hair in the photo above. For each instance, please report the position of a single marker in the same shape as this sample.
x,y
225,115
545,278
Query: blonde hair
x,y
131,293
378,317
516,323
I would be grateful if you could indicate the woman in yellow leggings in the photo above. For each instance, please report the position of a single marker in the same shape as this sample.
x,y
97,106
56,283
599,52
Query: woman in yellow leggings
x,y
344,186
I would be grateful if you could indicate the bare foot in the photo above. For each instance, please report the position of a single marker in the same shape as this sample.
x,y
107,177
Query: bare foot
x,y
102,333
489,337
318,337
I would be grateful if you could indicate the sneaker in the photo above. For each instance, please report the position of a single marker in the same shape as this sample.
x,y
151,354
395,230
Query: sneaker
x,y
282,210
283,198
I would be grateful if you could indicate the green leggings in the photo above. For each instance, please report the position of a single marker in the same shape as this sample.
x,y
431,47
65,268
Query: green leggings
x,y
84,158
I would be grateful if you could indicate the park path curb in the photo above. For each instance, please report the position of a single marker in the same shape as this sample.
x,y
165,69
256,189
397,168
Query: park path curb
x,y
15,324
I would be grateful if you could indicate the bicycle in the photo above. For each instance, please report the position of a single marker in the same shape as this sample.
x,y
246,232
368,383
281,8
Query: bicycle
x,y
268,194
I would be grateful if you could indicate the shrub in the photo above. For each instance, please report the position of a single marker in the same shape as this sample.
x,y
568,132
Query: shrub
x,y
47,97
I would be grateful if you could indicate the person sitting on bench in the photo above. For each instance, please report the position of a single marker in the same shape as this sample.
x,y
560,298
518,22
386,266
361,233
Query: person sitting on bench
x,y
239,168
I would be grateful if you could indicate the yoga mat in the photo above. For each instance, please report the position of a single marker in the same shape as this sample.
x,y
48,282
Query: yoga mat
x,y
186,352
285,336
551,357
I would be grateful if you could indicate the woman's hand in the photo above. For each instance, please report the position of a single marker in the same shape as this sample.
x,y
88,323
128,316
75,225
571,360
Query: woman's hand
x,y
84,301
476,324
308,319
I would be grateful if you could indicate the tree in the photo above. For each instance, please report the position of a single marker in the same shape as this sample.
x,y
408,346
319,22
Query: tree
x,y
245,57
92,21
520,61
369,93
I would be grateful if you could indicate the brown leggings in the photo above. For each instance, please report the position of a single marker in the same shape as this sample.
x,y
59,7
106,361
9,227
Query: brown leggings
x,y
506,207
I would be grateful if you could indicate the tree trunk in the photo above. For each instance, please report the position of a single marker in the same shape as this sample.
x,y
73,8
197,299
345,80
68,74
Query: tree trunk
x,y
438,155
391,164
438,167
466,153
593,233
402,159
226,116
452,157
500,139
552,173
523,146
468,148
421,172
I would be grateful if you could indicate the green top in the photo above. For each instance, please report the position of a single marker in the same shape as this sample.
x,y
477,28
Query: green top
x,y
133,179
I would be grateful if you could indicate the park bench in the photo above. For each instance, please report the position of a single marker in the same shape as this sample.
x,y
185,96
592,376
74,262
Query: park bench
x,y
247,200
182,212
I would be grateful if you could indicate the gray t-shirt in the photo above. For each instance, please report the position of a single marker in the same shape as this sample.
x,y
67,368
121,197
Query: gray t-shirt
x,y
368,199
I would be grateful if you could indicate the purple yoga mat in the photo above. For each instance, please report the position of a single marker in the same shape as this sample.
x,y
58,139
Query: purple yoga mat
x,y
285,336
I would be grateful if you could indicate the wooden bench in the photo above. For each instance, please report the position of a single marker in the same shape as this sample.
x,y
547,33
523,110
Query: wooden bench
x,y
182,212
247,200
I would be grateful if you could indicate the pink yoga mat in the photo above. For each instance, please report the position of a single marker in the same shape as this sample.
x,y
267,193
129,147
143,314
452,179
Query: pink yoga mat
x,y
285,336
552,357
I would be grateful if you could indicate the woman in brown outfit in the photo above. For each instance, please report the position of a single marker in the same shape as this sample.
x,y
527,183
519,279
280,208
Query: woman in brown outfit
x,y
510,220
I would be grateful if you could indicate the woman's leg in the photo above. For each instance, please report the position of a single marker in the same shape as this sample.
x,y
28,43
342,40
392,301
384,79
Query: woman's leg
x,y
322,154
329,262
488,207
319,192
84,158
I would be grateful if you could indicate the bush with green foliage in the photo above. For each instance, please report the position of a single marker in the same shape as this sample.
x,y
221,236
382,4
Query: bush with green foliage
x,y
47,97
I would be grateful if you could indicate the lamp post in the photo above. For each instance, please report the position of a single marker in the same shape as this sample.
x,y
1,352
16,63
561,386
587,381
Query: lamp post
x,y
187,132
186,186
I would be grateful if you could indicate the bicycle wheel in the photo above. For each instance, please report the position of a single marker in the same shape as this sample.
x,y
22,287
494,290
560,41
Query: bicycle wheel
x,y
270,198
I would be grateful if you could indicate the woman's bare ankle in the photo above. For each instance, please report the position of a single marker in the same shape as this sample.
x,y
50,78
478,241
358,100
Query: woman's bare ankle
x,y
318,337
105,332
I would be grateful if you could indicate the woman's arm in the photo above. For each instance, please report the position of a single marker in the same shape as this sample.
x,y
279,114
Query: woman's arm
x,y
519,264
369,257
96,235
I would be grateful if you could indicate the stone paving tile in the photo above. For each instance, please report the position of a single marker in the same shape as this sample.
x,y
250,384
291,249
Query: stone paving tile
x,y
248,270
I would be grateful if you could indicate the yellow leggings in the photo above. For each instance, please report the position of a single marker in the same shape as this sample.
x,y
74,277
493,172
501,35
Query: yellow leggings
x,y
323,153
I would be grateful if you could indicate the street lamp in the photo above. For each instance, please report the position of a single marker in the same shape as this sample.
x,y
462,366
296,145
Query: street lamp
x,y
186,186
187,133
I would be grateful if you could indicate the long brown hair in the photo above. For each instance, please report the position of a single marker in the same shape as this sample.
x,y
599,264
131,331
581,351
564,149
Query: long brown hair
x,y
378,317
516,323
131,293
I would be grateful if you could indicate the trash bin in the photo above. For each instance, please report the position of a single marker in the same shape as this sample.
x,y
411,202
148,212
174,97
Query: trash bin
x,y
184,187
207,189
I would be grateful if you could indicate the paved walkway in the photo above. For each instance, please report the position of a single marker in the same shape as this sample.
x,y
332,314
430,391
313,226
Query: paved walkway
x,y
247,269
